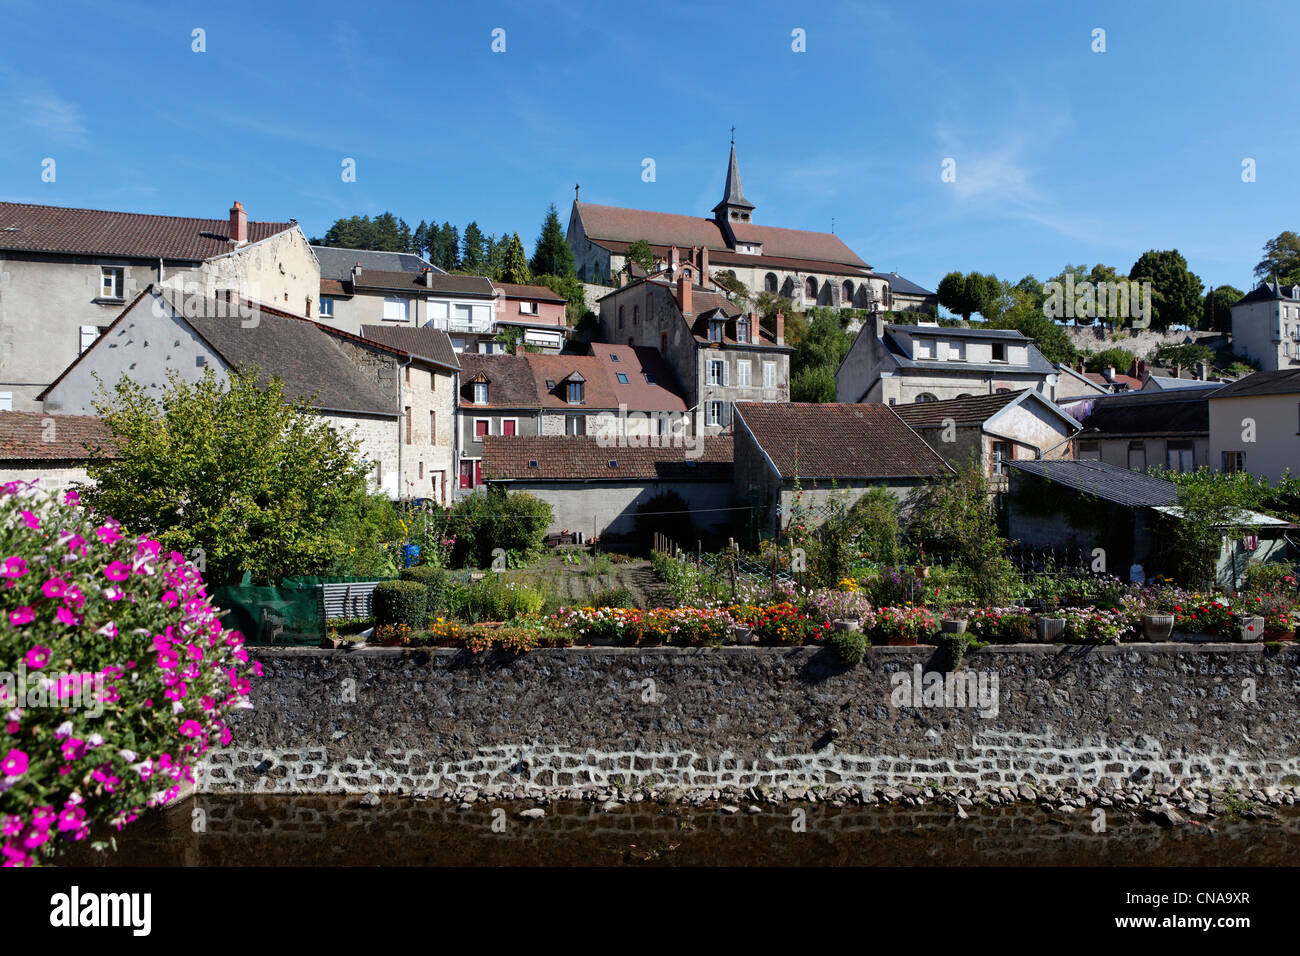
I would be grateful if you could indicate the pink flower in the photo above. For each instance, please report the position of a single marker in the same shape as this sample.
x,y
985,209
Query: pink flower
x,y
54,587
14,764
70,819
67,618
191,728
38,656
30,520
117,571
108,534
71,498
21,616
14,567
73,748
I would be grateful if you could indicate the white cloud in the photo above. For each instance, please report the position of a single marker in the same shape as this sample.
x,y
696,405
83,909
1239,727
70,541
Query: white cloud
x,y
53,115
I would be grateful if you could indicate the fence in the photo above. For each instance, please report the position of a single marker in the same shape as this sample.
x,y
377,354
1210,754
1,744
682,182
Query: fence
x,y
292,612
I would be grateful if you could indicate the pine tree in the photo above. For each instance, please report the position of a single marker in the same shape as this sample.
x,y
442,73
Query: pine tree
x,y
552,256
420,239
472,257
449,253
514,265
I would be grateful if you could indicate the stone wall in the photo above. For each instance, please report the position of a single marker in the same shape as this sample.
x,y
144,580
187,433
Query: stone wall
x,y
552,721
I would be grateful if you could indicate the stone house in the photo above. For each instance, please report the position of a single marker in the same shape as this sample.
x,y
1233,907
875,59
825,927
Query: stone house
x,y
1266,326
163,331
52,450
829,451
1139,430
596,490
718,353
66,273
1255,425
992,429
901,364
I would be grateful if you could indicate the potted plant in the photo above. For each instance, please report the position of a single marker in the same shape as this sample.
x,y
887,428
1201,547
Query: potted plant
x,y
1276,611
922,569
1158,613
1250,628
902,626
954,621
1050,626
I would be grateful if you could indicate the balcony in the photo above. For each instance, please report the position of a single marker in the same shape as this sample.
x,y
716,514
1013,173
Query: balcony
x,y
462,326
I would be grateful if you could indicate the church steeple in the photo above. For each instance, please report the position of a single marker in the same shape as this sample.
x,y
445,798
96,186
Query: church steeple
x,y
734,206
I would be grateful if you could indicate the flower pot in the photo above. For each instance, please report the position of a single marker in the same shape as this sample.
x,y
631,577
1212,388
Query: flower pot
x,y
922,570
900,640
1051,629
1250,629
1272,636
1157,627
846,624
957,626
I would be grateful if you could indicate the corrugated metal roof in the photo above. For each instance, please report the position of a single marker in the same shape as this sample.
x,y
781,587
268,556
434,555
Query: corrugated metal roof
x,y
1134,489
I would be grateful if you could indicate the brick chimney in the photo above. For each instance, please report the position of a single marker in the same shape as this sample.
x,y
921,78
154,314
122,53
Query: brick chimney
x,y
704,264
1139,369
674,258
1203,371
780,327
684,294
238,223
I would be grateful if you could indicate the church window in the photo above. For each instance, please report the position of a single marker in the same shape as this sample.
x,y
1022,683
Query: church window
x,y
769,282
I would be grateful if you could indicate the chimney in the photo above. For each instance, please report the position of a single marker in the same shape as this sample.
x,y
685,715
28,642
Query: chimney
x,y
780,327
674,258
1178,371
1139,368
684,294
356,272
238,223
1203,371
1109,373
622,278
704,264
427,274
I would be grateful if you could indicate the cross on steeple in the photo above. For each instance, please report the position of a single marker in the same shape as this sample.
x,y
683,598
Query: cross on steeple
x,y
733,136
575,192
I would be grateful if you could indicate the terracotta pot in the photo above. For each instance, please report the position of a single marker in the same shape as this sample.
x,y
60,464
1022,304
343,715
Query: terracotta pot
x,y
900,640
1271,636
922,570
1157,627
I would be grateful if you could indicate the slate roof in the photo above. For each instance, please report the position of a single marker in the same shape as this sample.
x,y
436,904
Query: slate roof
x,y
1266,292
1036,363
1282,382
306,357
58,229
510,381
1133,489
958,332
25,436
732,193
614,224
540,292
563,458
1145,413
1168,383
413,283
838,441
902,286
427,343
962,411
336,262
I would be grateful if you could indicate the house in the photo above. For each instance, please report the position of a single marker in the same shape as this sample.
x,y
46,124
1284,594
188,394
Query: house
x,y
596,491
614,394
901,364
336,264
1266,326
718,353
1139,430
992,429
66,273
163,331
1092,509
906,296
1072,383
811,268
824,451
538,312
1255,425
52,450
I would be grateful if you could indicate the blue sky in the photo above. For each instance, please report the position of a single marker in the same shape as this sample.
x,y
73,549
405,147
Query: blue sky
x,y
1062,154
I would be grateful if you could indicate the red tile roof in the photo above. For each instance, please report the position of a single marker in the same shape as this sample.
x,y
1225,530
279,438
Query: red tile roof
x,y
29,228
562,458
636,363
838,441
25,436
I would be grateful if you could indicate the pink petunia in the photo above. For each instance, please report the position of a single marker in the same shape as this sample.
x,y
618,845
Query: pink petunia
x,y
108,534
20,616
71,498
191,728
54,587
67,618
38,657
14,764
117,571
14,567
30,520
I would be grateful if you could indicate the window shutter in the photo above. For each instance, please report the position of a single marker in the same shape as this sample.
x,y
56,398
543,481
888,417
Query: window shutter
x,y
88,335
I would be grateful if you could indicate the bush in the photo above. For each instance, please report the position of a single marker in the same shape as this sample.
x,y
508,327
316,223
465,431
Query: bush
x,y
848,648
516,522
493,599
612,597
434,580
143,673
952,647
401,602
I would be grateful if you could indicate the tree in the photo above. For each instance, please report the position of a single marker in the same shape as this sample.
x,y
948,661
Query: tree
x,y
514,265
1188,355
1025,315
641,253
448,247
1177,292
1211,506
1216,312
235,472
967,294
1281,259
420,239
736,290
473,256
1121,360
575,296
813,384
552,255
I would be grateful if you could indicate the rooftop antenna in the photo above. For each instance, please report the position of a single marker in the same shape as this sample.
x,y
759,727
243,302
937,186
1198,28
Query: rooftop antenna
x,y
575,192
832,224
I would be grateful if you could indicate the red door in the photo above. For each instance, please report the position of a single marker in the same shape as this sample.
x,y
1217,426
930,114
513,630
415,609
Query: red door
x,y
508,427
466,474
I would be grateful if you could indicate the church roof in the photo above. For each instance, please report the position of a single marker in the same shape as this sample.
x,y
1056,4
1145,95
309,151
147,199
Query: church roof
x,y
732,193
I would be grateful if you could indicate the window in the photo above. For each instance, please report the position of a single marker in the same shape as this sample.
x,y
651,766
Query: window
x,y
769,282
1088,451
956,351
6,401
713,413
1234,461
743,369
409,437
1003,451
88,335
481,428
649,379
396,309
663,342
716,328
480,393
717,372
509,426
575,424
846,293
620,316
926,397
422,471
613,357
810,288
769,375
111,282
742,331
326,307
575,393
1180,456
636,315
999,352
622,378
528,308
1137,456
433,428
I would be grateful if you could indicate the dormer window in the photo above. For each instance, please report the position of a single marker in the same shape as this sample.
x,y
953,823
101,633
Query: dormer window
x,y
480,393
999,352
573,392
716,328
742,331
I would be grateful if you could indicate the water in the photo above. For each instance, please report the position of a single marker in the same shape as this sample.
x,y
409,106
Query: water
x,y
246,830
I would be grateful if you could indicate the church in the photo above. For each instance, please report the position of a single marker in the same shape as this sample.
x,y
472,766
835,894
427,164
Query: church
x,y
810,268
